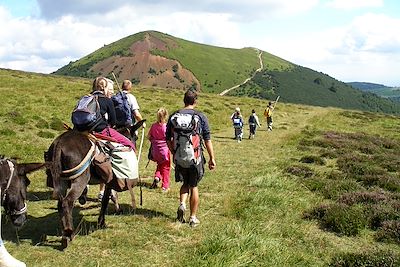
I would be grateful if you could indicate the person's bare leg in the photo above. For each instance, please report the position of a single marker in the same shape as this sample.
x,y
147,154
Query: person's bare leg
x,y
184,191
194,200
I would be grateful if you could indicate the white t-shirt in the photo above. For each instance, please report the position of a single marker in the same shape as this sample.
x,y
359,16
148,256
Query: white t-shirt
x,y
132,101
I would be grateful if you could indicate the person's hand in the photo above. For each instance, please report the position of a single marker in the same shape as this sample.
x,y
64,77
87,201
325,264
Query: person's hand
x,y
211,164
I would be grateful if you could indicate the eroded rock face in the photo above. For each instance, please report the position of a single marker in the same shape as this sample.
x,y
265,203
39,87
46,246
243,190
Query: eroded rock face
x,y
148,69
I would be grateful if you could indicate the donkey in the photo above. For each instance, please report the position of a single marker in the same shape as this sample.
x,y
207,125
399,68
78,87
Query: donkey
x,y
69,172
14,183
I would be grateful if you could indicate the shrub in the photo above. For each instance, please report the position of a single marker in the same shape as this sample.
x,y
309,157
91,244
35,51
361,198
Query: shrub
x,y
313,159
362,197
335,189
366,259
344,219
389,232
383,212
300,171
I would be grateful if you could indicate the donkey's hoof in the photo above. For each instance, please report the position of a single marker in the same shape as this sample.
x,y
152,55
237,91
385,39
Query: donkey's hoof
x,y
64,242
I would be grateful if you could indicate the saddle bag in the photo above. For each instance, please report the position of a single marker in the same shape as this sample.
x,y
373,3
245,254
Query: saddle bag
x,y
102,166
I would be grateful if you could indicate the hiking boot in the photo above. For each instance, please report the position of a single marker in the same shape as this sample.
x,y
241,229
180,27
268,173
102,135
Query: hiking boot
x,y
193,222
180,214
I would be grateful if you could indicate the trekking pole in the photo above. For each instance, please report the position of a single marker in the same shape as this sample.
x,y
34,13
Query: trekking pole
x,y
140,180
276,101
116,81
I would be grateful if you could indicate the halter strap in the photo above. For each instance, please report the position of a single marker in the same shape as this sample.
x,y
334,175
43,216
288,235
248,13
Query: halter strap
x,y
13,212
11,165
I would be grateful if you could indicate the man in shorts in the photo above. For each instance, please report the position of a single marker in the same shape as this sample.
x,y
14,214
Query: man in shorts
x,y
191,176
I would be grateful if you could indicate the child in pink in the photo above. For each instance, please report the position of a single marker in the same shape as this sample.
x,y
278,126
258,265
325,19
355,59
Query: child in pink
x,y
159,150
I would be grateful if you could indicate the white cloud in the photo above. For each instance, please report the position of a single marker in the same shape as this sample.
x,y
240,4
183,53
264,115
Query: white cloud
x,y
353,4
241,10
367,49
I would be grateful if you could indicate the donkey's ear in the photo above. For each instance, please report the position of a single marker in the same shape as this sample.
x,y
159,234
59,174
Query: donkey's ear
x,y
24,168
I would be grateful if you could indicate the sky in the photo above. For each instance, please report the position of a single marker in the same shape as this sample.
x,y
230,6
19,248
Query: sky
x,y
350,40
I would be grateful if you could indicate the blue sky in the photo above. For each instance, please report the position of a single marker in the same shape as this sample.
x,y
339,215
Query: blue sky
x,y
350,40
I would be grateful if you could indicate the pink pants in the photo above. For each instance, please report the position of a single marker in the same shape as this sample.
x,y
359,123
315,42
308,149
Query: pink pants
x,y
118,137
162,172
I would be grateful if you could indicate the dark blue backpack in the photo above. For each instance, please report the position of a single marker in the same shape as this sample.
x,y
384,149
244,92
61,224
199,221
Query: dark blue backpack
x,y
123,110
86,115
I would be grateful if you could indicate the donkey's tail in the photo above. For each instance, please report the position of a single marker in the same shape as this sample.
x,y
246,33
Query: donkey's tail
x,y
56,168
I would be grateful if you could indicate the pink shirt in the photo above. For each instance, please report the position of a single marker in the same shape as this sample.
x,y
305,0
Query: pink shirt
x,y
160,151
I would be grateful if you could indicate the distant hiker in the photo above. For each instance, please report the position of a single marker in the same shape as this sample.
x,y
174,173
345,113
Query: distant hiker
x,y
159,150
268,115
237,121
253,123
127,109
187,129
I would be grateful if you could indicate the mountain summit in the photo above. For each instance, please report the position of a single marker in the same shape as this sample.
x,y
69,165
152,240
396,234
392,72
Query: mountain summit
x,y
156,59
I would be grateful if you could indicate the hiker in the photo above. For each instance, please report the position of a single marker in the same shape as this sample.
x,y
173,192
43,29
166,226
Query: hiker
x,y
102,87
159,150
237,121
253,123
268,115
127,116
187,129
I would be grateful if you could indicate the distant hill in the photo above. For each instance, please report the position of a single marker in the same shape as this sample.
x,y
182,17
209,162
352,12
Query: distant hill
x,y
367,86
160,60
392,93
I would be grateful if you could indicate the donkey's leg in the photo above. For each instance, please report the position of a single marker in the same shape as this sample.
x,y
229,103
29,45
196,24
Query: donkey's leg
x,y
130,184
114,199
104,203
76,189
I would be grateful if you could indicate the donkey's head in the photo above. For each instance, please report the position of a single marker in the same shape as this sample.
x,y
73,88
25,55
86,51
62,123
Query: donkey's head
x,y
14,183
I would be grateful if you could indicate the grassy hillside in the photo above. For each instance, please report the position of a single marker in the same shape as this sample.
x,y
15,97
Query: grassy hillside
x,y
286,198
218,69
296,84
392,93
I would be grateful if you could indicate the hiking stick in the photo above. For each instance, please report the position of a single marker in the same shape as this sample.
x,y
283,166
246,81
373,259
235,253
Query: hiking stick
x,y
276,101
116,81
140,180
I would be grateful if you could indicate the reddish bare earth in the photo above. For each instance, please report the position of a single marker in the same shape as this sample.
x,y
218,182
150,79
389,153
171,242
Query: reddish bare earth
x,y
153,70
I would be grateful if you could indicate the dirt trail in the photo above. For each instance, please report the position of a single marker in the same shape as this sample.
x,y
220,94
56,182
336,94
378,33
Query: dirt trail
x,y
248,79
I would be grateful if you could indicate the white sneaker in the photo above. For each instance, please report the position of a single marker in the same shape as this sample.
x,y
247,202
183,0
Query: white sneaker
x,y
193,222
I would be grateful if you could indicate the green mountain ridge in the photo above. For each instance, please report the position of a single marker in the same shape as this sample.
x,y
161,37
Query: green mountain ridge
x,y
171,62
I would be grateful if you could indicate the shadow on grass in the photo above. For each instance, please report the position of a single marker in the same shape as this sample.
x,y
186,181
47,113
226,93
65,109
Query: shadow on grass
x,y
38,196
38,229
223,139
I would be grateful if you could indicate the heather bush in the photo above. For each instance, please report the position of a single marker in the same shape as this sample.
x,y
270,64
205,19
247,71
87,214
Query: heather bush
x,y
313,159
366,259
300,171
389,232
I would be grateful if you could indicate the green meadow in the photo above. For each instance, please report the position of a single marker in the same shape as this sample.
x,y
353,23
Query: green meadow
x,y
321,189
